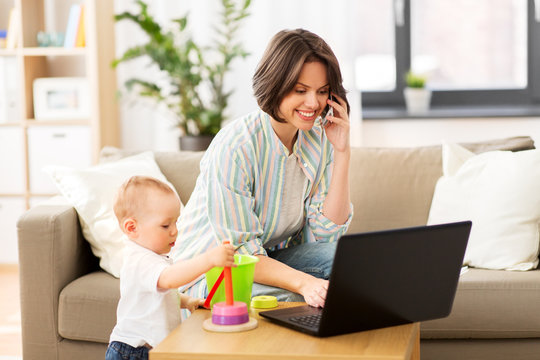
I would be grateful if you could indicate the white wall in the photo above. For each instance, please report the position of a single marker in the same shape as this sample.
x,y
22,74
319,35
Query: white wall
x,y
146,127
406,133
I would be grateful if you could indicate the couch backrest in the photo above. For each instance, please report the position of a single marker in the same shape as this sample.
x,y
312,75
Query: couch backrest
x,y
181,169
390,187
393,187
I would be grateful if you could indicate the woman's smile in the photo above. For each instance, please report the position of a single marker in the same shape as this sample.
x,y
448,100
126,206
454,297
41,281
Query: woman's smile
x,y
307,115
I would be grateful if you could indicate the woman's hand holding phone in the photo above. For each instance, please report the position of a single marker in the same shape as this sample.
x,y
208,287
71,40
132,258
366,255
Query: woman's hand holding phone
x,y
336,123
329,112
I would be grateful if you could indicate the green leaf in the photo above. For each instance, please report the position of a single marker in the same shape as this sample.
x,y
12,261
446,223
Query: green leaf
x,y
414,80
184,64
182,23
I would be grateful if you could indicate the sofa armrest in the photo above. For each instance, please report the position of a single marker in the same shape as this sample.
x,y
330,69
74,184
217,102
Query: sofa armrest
x,y
52,253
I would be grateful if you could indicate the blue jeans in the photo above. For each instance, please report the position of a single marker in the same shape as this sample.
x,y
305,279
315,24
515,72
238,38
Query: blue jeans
x,y
120,351
312,258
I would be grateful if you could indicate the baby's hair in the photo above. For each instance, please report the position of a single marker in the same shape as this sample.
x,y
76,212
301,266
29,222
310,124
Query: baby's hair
x,y
131,194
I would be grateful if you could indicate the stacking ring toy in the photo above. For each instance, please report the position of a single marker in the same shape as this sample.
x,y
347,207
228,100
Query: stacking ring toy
x,y
230,315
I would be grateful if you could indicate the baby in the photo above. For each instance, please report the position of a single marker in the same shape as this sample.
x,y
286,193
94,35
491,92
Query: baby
x,y
149,308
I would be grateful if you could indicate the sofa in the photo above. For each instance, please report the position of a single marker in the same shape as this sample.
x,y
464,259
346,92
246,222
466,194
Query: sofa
x,y
68,304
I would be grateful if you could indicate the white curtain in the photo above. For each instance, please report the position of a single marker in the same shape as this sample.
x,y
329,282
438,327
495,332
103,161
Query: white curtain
x,y
145,128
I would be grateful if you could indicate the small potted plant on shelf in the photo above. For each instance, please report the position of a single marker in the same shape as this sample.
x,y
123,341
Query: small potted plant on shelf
x,y
417,96
186,71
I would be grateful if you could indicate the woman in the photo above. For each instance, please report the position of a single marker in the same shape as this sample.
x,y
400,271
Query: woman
x,y
276,182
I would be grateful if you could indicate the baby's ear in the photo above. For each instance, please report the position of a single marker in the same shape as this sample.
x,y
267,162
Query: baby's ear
x,y
129,227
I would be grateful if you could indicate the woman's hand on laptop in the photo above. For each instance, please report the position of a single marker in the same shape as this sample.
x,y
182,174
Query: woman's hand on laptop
x,y
314,291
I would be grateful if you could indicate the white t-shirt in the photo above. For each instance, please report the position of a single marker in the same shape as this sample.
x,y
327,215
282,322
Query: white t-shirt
x,y
145,314
291,217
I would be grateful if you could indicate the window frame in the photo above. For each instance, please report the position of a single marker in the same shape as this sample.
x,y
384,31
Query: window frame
x,y
529,96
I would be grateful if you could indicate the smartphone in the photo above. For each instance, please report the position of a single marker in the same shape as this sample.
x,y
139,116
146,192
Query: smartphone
x,y
328,111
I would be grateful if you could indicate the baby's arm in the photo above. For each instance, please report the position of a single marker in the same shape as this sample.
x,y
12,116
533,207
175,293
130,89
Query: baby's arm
x,y
183,272
190,303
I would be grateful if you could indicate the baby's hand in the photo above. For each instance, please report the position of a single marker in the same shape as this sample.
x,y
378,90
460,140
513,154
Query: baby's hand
x,y
191,303
222,255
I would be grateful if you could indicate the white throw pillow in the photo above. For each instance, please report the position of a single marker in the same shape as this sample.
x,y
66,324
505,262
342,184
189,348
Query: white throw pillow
x,y
92,191
499,192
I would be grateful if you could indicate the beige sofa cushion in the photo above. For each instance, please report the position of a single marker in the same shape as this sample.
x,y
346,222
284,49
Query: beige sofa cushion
x,y
491,304
181,169
393,187
87,307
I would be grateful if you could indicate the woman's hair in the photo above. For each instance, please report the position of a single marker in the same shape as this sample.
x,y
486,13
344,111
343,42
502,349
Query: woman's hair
x,y
280,67
132,195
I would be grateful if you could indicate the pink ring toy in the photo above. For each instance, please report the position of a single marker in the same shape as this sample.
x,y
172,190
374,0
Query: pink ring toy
x,y
222,309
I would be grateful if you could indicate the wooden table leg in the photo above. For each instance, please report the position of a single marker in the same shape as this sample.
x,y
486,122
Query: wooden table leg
x,y
415,355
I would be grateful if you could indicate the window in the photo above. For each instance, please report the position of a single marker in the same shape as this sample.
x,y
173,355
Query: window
x,y
474,52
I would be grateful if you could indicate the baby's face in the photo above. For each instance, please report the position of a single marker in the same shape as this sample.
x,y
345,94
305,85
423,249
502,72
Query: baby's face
x,y
157,221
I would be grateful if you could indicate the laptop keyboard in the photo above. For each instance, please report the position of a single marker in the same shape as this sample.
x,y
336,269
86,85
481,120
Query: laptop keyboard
x,y
312,321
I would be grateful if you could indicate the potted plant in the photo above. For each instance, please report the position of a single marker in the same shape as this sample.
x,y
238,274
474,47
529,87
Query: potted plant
x,y
417,96
186,72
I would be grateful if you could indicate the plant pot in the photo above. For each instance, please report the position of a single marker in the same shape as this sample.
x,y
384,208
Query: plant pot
x,y
195,143
417,100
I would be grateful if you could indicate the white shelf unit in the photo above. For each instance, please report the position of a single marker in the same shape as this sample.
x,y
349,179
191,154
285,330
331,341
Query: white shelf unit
x,y
26,144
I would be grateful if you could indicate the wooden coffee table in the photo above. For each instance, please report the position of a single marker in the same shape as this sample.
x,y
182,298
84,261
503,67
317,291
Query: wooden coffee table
x,y
271,341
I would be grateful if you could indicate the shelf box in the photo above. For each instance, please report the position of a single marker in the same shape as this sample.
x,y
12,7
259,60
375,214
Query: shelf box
x,y
12,166
47,67
56,145
61,98
10,211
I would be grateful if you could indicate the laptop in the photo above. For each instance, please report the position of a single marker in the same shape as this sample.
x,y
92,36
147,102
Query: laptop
x,y
385,278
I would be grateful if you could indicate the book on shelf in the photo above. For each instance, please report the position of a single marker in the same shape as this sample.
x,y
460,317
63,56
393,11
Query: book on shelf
x,y
80,39
3,36
75,32
12,38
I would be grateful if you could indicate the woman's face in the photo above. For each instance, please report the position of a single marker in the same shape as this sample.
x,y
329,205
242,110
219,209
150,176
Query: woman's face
x,y
308,98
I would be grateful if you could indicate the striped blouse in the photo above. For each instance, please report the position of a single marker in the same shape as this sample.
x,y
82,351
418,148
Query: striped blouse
x,y
238,193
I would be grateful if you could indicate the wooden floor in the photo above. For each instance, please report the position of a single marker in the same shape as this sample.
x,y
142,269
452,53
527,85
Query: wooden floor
x,y
10,314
